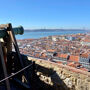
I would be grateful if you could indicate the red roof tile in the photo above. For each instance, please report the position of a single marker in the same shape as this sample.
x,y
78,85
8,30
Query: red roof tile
x,y
84,55
43,55
51,50
62,55
74,58
87,40
37,55
72,64
58,62
84,69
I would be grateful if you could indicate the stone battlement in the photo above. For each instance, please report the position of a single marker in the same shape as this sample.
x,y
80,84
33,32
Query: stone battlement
x,y
61,77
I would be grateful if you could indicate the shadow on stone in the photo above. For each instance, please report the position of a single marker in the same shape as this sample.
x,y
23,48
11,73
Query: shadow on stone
x,y
51,79
44,78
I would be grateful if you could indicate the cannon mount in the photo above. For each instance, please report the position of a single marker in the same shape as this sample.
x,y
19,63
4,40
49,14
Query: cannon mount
x,y
7,39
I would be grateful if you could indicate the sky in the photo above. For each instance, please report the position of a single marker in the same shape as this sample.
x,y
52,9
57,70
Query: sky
x,y
32,14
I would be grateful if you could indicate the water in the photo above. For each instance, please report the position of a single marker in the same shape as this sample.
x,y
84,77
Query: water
x,y
39,34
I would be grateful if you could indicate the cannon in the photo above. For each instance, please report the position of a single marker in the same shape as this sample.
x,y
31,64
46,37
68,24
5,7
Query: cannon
x,y
7,39
16,30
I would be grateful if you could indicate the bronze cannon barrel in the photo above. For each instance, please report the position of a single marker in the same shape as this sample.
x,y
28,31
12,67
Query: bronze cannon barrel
x,y
16,30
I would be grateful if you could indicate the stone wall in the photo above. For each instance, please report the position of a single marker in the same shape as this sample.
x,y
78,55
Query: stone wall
x,y
62,77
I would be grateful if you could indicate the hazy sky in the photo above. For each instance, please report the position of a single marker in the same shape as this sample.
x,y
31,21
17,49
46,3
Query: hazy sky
x,y
46,13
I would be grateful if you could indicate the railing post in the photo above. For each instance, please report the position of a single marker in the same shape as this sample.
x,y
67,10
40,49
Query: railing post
x,y
4,68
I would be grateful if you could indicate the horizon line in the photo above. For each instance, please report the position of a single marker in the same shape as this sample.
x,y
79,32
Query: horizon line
x,y
55,28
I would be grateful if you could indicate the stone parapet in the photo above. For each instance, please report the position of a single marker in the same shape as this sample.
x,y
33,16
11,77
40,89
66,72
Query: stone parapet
x,y
61,77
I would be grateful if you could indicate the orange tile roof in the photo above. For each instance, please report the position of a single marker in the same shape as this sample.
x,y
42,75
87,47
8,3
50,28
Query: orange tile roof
x,y
58,62
62,55
51,50
85,55
43,54
37,55
84,69
87,40
74,58
72,64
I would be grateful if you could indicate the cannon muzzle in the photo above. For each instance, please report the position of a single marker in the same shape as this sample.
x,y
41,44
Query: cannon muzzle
x,y
16,30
